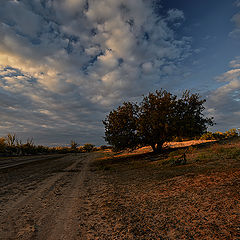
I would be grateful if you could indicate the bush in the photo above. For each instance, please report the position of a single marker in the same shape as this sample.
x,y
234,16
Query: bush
x,y
104,147
231,133
219,135
88,147
207,136
3,144
73,145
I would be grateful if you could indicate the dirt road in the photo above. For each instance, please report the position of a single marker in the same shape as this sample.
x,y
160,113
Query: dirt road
x,y
42,200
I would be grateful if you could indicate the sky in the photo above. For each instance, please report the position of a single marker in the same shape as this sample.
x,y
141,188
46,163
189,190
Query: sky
x,y
65,64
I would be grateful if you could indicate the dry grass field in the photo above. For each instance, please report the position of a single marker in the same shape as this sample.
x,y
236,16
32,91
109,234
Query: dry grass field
x,y
146,196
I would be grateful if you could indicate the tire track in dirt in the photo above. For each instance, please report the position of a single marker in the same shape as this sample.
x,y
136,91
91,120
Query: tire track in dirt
x,y
50,211
67,220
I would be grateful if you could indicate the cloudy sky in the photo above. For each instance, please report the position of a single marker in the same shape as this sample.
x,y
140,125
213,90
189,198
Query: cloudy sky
x,y
64,64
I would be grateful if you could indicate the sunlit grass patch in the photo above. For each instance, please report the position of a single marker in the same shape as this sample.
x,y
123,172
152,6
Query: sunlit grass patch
x,y
201,158
218,151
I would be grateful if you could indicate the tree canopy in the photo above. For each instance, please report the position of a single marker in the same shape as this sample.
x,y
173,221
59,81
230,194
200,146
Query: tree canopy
x,y
158,118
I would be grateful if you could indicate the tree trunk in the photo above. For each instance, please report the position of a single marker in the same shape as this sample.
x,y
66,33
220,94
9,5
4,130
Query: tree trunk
x,y
157,148
153,147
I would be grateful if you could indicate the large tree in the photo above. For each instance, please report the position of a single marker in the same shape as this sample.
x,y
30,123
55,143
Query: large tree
x,y
157,119
156,123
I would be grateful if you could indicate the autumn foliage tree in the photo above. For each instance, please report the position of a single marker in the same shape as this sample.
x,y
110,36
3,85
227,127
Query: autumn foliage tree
x,y
160,117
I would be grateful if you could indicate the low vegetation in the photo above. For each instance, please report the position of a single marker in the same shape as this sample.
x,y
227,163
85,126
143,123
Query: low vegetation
x,y
12,146
220,135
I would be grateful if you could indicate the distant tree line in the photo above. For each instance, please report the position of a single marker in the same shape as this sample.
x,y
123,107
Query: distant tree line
x,y
158,118
12,146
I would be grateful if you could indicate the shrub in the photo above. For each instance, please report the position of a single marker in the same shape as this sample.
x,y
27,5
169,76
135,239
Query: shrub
x,y
231,133
104,147
3,144
207,136
80,149
219,135
73,145
88,147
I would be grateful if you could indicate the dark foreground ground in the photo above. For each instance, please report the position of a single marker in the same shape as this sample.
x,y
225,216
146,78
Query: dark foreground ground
x,y
89,196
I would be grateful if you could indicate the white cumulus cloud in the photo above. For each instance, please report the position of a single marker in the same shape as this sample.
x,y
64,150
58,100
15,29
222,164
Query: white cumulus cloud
x,y
71,61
